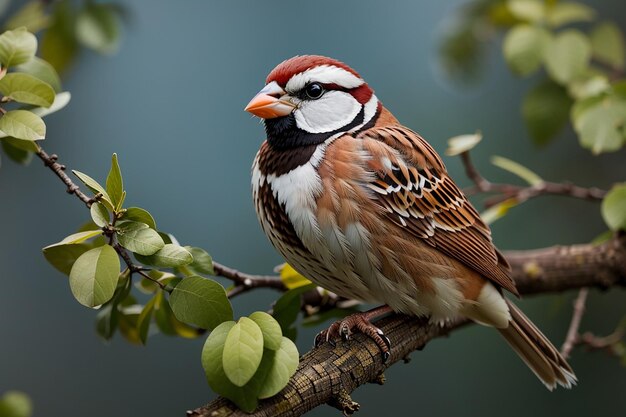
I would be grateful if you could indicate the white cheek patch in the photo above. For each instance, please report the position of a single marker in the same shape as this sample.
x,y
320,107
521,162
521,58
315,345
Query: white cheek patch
x,y
332,111
325,74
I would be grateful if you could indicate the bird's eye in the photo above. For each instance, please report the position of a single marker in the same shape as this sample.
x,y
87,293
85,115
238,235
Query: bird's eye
x,y
314,91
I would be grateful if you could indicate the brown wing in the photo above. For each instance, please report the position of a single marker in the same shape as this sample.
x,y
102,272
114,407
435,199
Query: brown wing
x,y
413,186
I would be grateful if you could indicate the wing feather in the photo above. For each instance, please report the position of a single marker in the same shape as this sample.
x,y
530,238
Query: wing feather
x,y
413,187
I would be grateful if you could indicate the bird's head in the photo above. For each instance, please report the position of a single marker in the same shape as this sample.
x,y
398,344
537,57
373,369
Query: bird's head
x,y
308,99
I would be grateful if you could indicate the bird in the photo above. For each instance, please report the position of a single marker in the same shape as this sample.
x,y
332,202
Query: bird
x,y
364,207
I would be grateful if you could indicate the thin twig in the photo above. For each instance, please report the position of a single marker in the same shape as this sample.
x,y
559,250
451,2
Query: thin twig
x,y
248,281
523,193
573,332
51,162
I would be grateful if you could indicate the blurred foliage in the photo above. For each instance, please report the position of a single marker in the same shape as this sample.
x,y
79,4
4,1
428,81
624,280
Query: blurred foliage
x,y
15,404
577,58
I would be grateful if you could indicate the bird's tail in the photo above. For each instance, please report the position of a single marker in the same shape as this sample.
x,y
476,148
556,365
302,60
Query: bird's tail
x,y
537,351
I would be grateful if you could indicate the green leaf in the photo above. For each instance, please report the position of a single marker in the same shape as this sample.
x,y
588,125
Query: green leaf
x,y
144,320
43,71
107,317
599,124
170,256
97,27
58,44
202,262
463,143
62,257
16,154
60,101
23,124
95,187
529,10
94,276
607,44
77,237
272,334
139,238
168,323
15,404
287,307
25,88
546,110
614,207
127,322
517,169
25,145
243,351
32,16
115,184
212,353
567,56
524,47
201,301
564,13
283,367
139,215
17,47
100,214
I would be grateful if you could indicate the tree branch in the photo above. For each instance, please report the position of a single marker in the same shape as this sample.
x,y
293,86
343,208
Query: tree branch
x,y
51,162
329,374
523,193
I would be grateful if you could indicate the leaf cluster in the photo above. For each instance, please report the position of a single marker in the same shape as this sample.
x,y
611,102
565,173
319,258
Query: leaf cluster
x,y
249,360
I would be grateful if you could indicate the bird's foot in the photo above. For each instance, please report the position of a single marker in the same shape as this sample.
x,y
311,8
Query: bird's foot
x,y
360,322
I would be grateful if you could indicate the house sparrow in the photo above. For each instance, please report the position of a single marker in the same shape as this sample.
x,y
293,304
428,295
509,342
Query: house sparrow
x,y
364,207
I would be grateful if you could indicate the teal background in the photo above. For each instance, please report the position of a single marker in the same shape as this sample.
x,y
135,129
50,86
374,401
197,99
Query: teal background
x,y
170,103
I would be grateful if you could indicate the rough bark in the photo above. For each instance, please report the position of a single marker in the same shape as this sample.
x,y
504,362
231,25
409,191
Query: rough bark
x,y
327,375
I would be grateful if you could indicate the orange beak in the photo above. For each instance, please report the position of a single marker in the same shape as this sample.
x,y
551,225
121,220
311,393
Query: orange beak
x,y
267,104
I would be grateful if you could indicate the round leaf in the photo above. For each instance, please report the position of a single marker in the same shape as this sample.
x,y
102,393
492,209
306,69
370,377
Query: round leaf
x,y
17,47
139,238
201,301
42,70
243,351
170,256
546,111
567,56
272,334
15,404
23,124
97,27
25,88
94,276
523,48
283,367
202,262
614,208
245,397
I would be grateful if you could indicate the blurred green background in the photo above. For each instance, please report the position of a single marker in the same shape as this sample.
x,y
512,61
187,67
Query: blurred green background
x,y
170,103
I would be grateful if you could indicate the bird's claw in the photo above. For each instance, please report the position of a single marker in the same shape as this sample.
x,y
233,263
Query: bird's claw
x,y
344,328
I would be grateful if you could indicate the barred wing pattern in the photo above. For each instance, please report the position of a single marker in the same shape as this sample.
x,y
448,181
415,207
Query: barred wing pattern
x,y
413,187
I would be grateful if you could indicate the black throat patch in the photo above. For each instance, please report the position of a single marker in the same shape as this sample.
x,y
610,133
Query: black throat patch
x,y
288,147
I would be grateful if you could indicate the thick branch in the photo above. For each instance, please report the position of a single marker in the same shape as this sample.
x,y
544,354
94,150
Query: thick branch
x,y
327,373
